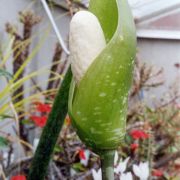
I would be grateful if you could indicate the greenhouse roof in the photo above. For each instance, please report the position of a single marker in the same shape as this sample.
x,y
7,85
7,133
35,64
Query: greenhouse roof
x,y
157,19
146,9
154,18
143,9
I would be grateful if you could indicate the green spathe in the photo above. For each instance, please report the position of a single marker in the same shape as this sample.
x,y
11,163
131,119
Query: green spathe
x,y
98,104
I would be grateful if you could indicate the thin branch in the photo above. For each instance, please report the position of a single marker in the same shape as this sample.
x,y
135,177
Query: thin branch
x,y
14,166
166,159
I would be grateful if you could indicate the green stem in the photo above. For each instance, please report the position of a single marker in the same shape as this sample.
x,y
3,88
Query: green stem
x,y
51,131
107,164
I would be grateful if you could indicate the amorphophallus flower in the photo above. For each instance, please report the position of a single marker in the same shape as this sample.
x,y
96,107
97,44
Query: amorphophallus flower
x,y
102,51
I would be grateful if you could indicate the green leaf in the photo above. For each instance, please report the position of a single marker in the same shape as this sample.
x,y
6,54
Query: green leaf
x,y
107,14
3,142
5,73
98,104
58,149
78,167
128,139
4,116
27,122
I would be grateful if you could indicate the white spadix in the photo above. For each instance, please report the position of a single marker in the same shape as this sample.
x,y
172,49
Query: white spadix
x,y
86,41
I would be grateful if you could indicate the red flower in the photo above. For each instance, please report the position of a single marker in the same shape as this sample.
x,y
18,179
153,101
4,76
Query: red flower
x,y
139,134
39,121
82,154
134,146
46,108
157,173
18,177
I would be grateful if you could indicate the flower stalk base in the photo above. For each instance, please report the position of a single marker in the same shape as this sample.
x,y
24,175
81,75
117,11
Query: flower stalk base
x,y
107,164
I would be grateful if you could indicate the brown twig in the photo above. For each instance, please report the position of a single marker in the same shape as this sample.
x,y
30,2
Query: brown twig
x,y
20,54
54,67
166,159
36,86
142,75
70,6
16,164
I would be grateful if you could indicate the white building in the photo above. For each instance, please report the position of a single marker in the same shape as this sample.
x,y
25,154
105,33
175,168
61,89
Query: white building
x,y
158,31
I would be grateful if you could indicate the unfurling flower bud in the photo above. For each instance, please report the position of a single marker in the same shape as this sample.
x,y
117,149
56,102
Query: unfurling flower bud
x,y
86,41
102,52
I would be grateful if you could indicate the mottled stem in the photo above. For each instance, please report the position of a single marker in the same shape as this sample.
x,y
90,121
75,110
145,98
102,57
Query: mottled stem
x,y
51,131
107,164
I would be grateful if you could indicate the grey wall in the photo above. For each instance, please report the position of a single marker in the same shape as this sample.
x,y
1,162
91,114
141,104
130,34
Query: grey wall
x,y
46,52
9,13
161,53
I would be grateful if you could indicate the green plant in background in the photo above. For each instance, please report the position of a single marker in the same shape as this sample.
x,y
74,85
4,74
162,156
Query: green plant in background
x,y
13,108
98,99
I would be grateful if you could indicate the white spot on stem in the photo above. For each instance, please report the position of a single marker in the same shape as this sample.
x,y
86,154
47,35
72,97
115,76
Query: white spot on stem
x,y
102,94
